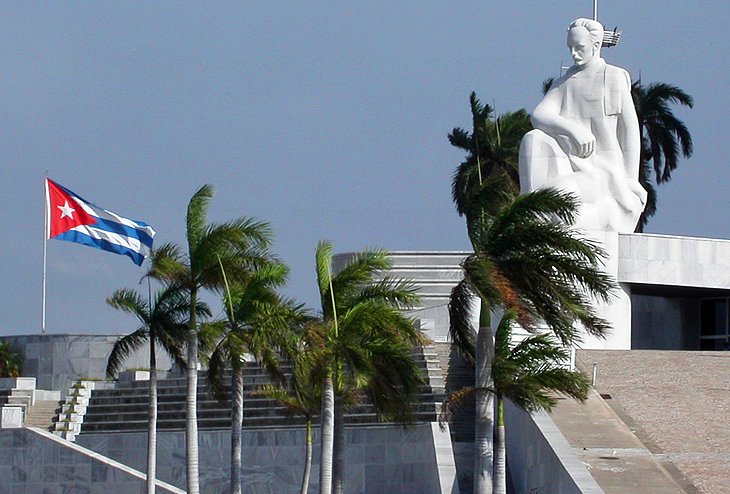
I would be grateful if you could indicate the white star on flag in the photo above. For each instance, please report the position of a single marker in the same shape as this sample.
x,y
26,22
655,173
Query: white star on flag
x,y
66,210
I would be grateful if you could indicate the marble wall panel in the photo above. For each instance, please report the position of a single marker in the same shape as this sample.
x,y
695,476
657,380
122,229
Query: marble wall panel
x,y
43,463
57,360
675,261
376,458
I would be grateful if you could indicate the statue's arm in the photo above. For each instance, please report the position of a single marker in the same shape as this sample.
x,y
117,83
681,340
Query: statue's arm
x,y
547,118
629,136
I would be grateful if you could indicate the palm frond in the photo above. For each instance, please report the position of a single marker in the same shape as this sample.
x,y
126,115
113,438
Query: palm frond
x,y
461,331
196,219
323,264
123,348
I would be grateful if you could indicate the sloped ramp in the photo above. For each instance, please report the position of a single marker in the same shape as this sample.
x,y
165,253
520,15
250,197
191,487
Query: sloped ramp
x,y
33,460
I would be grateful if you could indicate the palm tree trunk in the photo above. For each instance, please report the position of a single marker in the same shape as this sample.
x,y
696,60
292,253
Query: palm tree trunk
x,y
326,434
338,453
484,412
308,459
191,401
500,452
236,424
152,420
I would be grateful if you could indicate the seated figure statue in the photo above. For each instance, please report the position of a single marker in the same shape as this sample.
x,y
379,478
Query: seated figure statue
x,y
586,139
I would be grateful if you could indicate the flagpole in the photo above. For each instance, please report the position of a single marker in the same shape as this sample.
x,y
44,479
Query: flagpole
x,y
45,254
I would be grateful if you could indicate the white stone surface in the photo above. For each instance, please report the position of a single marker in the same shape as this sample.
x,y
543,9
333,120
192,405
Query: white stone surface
x,y
541,459
27,383
675,261
57,360
11,417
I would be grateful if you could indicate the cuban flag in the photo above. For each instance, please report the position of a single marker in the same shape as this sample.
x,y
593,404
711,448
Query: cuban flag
x,y
71,218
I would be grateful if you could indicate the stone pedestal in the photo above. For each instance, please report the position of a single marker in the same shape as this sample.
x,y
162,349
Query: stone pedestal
x,y
617,311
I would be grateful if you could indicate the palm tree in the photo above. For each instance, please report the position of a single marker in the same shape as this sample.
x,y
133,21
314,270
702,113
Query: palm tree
x,y
492,147
163,321
528,374
663,136
258,323
523,259
488,176
11,362
366,344
233,247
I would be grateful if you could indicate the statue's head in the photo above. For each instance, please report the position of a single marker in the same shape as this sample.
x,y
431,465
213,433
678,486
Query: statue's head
x,y
584,40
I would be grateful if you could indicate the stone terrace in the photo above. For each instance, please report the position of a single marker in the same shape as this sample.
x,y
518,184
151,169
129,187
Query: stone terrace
x,y
678,405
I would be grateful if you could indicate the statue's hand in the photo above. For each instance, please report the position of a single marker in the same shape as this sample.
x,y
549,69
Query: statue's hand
x,y
584,143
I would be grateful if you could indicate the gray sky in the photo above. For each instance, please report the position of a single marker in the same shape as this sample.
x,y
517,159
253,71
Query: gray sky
x,y
327,119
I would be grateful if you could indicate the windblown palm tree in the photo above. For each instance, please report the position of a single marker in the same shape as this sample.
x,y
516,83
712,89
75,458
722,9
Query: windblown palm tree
x,y
258,324
522,258
528,374
487,177
663,137
237,246
366,344
528,259
163,322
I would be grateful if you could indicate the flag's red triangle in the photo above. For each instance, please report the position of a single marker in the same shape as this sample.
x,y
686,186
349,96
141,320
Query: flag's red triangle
x,y
64,212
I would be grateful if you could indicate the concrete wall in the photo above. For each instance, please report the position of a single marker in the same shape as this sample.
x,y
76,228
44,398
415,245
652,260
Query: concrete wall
x,y
37,462
540,459
57,360
385,459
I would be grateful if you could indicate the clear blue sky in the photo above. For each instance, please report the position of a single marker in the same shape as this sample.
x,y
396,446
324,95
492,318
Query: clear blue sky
x,y
327,119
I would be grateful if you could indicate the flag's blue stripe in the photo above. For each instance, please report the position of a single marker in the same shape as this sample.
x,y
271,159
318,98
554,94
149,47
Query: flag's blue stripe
x,y
81,238
123,230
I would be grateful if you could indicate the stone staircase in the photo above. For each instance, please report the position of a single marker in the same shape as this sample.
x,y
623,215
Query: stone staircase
x,y
124,408
73,409
459,374
42,414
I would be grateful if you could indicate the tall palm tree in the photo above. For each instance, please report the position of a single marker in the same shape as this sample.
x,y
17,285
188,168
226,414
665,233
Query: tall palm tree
x,y
366,344
11,362
258,323
663,137
489,176
237,246
163,322
527,258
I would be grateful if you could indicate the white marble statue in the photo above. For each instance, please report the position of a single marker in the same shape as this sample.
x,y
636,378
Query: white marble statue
x,y
586,139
